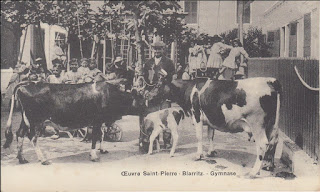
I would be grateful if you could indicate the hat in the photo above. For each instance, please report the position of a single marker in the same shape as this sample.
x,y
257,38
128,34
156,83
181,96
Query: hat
x,y
74,61
84,60
56,61
39,59
118,59
158,44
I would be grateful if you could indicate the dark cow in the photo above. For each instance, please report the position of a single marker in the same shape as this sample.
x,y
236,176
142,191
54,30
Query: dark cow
x,y
250,105
71,106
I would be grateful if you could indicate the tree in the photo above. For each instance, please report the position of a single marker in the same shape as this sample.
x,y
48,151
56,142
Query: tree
x,y
21,14
253,42
146,17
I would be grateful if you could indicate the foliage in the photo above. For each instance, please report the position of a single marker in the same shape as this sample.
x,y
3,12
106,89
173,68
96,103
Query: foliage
x,y
147,17
253,41
228,36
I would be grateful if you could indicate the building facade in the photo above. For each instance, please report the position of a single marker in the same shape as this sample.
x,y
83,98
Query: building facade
x,y
216,17
293,28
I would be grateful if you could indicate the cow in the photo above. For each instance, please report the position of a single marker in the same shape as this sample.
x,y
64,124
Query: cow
x,y
156,122
251,105
71,106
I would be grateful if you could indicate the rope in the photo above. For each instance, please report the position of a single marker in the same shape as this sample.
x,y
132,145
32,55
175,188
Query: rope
x,y
303,82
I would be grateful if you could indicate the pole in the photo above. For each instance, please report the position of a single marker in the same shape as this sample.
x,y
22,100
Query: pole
x,y
104,55
69,54
44,53
78,21
93,46
240,9
24,42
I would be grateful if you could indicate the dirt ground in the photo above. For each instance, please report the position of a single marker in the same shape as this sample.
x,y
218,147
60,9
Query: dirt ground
x,y
72,170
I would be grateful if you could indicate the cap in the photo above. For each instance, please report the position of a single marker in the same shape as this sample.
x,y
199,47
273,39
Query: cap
x,y
118,59
158,44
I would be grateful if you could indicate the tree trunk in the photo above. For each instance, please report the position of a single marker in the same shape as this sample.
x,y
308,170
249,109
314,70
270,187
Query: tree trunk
x,y
140,46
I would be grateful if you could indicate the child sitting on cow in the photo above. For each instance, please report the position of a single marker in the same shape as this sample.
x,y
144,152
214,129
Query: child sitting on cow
x,y
56,76
94,74
84,69
36,72
72,76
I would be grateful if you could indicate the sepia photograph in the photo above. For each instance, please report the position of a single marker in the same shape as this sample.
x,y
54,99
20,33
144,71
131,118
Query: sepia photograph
x,y
216,95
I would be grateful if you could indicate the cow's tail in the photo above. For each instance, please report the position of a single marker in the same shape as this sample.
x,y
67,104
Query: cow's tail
x,y
278,89
181,113
8,132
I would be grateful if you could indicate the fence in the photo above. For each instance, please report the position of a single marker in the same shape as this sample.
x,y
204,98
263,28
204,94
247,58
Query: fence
x,y
299,118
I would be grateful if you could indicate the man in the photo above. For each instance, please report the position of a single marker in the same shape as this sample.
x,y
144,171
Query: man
x,y
158,65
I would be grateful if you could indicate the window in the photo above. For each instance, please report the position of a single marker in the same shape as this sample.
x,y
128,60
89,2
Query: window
x,y
60,39
246,11
293,28
270,36
307,35
191,7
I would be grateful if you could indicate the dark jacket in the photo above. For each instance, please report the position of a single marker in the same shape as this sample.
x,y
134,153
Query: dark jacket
x,y
165,64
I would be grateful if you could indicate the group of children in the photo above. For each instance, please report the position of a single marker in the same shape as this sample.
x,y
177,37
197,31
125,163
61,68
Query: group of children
x,y
87,72
214,60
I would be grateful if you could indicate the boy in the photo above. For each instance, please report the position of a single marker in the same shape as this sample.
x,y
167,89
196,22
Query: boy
x,y
72,76
94,74
56,76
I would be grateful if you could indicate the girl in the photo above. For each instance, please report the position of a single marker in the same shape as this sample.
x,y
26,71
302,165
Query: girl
x,y
229,65
215,60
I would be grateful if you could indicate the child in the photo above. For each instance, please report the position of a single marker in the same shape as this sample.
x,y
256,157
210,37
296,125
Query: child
x,y
83,69
94,74
185,74
56,76
37,72
229,65
72,76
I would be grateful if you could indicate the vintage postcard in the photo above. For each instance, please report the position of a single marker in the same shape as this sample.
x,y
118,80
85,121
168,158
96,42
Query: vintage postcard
x,y
160,95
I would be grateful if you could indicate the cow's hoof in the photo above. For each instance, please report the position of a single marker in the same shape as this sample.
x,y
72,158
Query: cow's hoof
x,y
54,137
150,153
212,154
46,162
199,157
95,159
171,155
23,161
268,168
103,151
250,176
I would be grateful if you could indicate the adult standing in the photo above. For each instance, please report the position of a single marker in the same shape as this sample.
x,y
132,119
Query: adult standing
x,y
215,59
230,64
158,66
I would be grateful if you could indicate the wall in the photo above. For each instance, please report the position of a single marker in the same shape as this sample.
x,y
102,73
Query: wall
x,y
285,12
211,24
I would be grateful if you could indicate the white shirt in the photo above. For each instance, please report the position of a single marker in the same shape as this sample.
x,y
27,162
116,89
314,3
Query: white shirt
x,y
157,60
